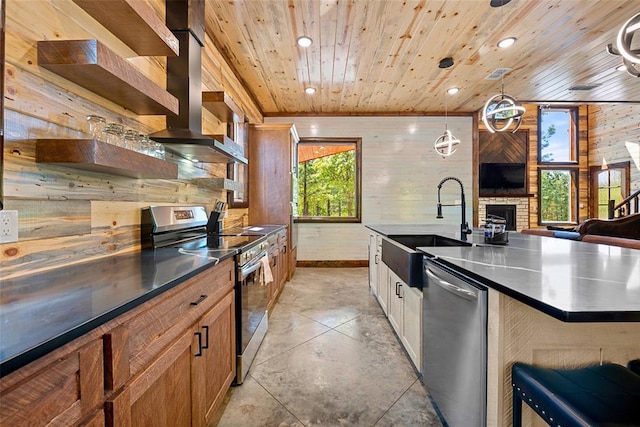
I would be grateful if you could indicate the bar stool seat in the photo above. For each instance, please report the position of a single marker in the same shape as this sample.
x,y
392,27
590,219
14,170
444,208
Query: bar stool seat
x,y
604,395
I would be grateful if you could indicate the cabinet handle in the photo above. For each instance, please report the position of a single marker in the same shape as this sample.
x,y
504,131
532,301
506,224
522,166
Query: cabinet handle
x,y
400,296
199,300
199,353
206,337
397,292
376,258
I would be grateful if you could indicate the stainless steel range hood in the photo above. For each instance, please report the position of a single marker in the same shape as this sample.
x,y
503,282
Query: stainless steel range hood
x,y
183,136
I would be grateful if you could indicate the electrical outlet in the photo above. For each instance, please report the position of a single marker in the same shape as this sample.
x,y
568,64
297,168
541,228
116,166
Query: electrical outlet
x,y
8,226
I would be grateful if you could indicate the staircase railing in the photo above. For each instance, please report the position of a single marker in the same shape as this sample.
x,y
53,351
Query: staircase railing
x,y
626,207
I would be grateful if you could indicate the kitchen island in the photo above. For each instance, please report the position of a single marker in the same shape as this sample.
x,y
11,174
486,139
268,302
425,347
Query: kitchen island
x,y
551,302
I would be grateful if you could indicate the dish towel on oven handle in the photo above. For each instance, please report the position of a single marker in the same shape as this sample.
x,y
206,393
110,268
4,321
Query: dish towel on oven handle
x,y
265,276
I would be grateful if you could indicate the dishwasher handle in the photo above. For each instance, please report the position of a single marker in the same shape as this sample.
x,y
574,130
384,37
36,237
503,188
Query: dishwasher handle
x,y
456,290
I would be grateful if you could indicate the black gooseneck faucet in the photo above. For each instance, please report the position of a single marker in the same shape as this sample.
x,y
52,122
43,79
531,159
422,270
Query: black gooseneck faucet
x,y
464,227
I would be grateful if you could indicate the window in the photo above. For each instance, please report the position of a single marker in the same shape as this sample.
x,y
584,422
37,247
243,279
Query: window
x,y
557,166
557,128
557,196
609,186
329,179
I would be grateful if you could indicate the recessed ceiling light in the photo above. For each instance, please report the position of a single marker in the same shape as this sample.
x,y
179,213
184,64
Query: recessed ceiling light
x,y
304,41
506,42
310,90
453,90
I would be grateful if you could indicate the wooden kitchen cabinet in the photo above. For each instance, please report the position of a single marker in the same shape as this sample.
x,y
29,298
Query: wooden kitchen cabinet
x,y
161,394
64,389
272,176
166,362
278,262
214,370
181,354
186,383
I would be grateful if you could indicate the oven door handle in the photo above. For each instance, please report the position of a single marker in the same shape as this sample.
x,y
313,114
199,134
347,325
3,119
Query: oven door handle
x,y
245,271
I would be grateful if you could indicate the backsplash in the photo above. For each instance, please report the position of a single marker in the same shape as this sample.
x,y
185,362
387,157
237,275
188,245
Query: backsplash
x,y
69,215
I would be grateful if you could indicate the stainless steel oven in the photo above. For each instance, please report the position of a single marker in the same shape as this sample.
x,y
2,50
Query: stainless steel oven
x,y
252,296
185,228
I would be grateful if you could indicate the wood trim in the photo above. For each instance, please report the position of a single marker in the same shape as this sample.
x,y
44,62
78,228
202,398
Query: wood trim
x,y
366,114
333,264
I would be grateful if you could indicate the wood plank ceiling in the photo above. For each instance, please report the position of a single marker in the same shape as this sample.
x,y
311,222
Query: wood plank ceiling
x,y
381,56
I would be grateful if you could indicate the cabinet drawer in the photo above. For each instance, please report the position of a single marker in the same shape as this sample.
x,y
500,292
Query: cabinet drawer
x,y
161,321
62,392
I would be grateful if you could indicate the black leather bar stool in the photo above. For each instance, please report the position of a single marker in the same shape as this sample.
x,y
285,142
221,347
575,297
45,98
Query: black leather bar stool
x,y
603,395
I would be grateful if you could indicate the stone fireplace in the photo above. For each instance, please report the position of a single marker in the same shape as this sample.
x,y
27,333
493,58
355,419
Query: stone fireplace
x,y
514,209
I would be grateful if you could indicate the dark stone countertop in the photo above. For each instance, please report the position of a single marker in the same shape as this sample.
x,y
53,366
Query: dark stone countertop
x,y
41,312
570,280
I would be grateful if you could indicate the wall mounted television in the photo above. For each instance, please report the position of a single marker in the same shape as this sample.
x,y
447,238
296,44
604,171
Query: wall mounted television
x,y
503,178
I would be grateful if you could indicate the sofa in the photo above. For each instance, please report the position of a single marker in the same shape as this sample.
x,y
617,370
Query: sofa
x,y
623,232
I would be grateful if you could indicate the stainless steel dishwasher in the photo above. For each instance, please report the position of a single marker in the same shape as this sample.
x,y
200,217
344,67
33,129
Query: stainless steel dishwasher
x,y
454,345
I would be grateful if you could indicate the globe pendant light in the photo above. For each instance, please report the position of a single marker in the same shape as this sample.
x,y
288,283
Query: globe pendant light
x,y
501,111
446,144
630,57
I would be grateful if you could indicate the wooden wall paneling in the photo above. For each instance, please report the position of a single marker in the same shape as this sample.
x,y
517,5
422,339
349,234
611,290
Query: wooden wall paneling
x,y
503,147
40,219
614,136
530,123
33,256
39,104
32,21
217,75
35,108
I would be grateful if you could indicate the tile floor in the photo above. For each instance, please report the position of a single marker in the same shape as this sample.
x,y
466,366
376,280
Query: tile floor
x,y
330,358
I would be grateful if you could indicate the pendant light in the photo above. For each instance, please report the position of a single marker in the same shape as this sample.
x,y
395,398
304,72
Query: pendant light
x,y
630,57
446,144
502,110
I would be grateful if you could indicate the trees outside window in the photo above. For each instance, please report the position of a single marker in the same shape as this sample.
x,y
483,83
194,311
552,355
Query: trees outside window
x,y
329,180
556,196
557,165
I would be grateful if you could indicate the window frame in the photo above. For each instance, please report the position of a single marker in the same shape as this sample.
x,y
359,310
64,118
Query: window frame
x,y
358,179
575,203
625,167
574,135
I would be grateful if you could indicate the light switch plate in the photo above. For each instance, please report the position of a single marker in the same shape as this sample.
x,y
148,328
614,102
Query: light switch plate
x,y
8,226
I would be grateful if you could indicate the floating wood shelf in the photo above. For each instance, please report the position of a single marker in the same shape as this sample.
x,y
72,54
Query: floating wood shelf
x,y
219,184
135,23
222,106
230,144
92,65
98,156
